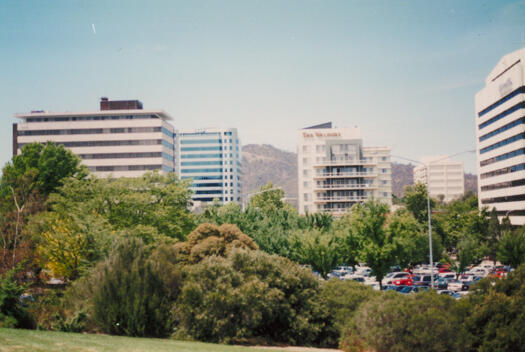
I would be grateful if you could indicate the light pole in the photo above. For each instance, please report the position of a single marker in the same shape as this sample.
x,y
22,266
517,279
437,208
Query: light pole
x,y
427,167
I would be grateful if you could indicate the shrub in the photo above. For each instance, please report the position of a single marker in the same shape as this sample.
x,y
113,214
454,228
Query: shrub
x,y
208,239
340,300
131,298
393,322
12,313
496,318
250,296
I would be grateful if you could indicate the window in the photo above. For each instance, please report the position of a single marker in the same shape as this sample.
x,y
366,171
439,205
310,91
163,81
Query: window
x,y
305,161
305,184
305,172
305,149
305,196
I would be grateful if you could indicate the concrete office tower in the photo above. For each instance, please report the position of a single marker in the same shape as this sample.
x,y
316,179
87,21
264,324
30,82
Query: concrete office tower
x,y
121,140
335,171
447,178
500,138
211,158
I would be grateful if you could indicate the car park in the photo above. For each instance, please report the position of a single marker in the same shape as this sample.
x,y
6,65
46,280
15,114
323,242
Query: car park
x,y
404,281
456,285
450,293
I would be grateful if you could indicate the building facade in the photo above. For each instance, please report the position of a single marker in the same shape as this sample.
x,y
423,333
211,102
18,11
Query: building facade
x,y
335,171
446,177
121,140
211,158
500,138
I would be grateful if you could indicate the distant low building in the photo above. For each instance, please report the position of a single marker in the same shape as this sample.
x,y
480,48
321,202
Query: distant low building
x,y
120,140
335,170
446,178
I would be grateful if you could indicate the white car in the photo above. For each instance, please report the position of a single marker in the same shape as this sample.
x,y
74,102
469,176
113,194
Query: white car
x,y
447,275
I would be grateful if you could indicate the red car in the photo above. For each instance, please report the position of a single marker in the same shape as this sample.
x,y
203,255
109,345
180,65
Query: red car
x,y
404,281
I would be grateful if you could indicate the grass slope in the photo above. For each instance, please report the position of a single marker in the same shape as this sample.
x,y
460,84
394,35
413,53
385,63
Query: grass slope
x,y
33,340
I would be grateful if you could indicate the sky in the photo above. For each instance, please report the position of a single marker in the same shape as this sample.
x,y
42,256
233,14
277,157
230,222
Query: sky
x,y
405,72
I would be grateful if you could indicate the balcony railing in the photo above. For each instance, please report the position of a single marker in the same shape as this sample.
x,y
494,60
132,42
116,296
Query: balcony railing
x,y
346,186
345,174
344,162
340,199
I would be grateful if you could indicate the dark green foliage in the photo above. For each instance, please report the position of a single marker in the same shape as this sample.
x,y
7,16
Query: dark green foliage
x,y
75,323
496,319
392,322
131,298
12,313
48,165
250,296
511,249
415,199
322,251
340,300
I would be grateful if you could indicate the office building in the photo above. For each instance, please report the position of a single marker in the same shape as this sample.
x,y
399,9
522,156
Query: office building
x,y
335,170
211,158
121,139
500,138
446,177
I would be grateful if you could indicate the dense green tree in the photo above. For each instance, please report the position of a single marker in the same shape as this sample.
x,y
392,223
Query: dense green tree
x,y
380,249
46,165
267,198
12,313
511,249
155,200
494,234
322,251
415,199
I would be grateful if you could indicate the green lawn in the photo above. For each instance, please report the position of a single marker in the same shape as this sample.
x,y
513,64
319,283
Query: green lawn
x,y
32,340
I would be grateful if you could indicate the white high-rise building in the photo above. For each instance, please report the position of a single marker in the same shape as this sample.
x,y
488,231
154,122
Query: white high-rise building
x,y
335,171
211,158
120,140
447,178
500,138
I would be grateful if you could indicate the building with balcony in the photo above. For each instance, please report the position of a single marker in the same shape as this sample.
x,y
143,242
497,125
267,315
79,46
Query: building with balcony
x,y
211,158
121,140
500,138
335,171
446,177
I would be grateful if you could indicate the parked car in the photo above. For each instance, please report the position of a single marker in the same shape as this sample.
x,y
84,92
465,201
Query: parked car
x,y
450,293
449,275
390,277
456,285
422,280
404,281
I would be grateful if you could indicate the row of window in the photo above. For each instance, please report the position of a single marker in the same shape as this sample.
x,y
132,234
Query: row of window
x,y
503,171
204,141
201,156
110,143
190,171
89,118
198,149
504,199
125,168
126,155
204,185
502,157
219,177
502,115
210,199
502,129
506,98
197,163
89,131
502,143
507,184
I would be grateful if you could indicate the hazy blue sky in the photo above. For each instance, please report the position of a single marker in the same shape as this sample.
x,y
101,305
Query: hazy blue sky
x,y
404,71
